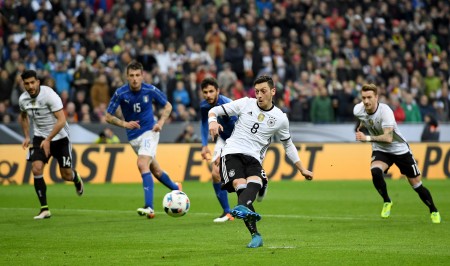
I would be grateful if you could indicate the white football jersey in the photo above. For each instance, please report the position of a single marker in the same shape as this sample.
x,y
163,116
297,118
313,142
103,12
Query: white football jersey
x,y
254,128
382,118
41,109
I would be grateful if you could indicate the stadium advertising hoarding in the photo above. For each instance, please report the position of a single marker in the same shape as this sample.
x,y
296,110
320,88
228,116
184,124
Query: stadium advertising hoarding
x,y
117,163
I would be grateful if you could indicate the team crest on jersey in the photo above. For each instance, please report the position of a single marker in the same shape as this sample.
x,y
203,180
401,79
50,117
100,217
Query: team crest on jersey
x,y
231,173
271,122
145,99
371,122
261,117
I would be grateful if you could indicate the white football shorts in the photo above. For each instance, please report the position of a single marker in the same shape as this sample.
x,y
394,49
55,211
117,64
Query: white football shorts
x,y
146,143
217,149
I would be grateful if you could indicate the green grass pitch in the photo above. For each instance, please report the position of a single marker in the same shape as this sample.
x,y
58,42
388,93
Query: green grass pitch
x,y
304,223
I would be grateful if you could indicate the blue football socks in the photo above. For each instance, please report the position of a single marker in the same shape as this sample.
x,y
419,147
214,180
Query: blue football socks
x,y
166,181
147,183
222,196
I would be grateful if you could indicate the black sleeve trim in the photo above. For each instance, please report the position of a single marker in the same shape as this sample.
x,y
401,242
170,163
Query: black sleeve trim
x,y
225,111
285,139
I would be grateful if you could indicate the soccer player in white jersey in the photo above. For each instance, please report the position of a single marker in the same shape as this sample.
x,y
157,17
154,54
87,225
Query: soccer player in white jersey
x,y
51,136
388,147
136,102
259,120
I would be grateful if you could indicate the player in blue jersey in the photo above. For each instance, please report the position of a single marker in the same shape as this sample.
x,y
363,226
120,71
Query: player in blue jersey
x,y
136,102
212,97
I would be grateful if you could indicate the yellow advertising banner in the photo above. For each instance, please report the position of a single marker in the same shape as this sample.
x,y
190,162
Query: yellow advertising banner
x,y
116,163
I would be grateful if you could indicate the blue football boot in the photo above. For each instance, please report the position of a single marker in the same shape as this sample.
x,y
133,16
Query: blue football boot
x,y
256,241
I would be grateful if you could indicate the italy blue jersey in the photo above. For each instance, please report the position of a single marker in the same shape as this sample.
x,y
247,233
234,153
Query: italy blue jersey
x,y
226,122
137,106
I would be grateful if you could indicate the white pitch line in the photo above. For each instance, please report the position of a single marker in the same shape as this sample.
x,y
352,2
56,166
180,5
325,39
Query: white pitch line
x,y
287,247
282,216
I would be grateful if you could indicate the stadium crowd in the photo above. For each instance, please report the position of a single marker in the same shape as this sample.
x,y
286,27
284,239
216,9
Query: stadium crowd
x,y
319,53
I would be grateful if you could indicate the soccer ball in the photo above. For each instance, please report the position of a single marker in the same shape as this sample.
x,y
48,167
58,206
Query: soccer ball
x,y
176,203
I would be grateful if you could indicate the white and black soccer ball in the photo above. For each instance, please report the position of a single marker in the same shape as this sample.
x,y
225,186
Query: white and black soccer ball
x,y
176,203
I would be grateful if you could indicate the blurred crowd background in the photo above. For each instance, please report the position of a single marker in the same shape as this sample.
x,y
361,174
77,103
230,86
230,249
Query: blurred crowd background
x,y
319,53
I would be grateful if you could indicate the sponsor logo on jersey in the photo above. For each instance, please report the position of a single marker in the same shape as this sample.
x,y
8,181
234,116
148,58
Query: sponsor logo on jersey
x,y
126,100
261,117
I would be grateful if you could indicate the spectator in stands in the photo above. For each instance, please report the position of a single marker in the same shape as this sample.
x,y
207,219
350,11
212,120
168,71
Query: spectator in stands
x,y
321,108
11,64
62,48
180,95
227,77
299,106
62,78
83,78
234,56
430,131
188,135
432,82
101,138
100,113
136,17
193,89
100,91
279,61
396,107
64,95
444,98
51,63
193,26
49,81
198,57
251,63
5,115
266,60
107,136
6,86
85,115
111,136
412,111
238,91
147,57
70,112
440,110
425,106
215,40
183,114
343,101
17,89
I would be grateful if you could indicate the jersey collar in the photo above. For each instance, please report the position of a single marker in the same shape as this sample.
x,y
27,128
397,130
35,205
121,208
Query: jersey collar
x,y
378,105
37,94
273,105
